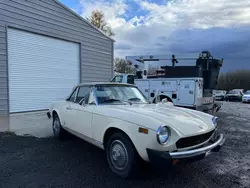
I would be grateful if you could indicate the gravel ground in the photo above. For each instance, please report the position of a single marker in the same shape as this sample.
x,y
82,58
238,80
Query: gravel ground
x,y
47,162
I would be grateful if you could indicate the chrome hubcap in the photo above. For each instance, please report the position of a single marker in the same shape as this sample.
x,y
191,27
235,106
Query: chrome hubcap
x,y
118,155
56,126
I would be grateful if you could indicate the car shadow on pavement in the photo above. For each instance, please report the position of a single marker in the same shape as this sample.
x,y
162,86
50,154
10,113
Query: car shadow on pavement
x,y
49,162
90,153
96,159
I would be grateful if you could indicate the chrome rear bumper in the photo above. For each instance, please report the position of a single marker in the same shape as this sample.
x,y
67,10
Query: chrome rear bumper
x,y
48,115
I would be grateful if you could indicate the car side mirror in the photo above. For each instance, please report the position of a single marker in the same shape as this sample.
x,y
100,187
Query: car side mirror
x,y
82,102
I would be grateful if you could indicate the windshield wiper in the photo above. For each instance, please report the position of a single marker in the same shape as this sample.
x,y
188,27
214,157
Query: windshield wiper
x,y
134,99
110,101
138,101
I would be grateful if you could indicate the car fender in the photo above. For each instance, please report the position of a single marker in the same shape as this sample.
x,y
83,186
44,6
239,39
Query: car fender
x,y
141,141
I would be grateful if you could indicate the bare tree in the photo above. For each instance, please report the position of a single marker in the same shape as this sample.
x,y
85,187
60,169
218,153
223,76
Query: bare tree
x,y
152,70
239,79
122,66
97,18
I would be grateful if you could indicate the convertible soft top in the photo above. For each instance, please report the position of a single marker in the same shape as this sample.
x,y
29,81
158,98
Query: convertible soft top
x,y
104,83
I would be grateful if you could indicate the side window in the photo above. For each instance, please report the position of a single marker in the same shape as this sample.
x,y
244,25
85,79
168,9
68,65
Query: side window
x,y
83,93
73,95
118,79
131,79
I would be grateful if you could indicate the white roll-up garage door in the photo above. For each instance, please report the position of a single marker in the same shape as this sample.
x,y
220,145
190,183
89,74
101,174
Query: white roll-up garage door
x,y
41,70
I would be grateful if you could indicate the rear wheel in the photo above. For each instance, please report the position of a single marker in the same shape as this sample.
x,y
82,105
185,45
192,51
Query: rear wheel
x,y
121,155
58,131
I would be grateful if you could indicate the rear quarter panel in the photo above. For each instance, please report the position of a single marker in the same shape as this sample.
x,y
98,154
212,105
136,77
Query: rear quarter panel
x,y
59,108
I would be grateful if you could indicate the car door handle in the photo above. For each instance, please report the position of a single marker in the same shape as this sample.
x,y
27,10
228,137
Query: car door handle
x,y
68,108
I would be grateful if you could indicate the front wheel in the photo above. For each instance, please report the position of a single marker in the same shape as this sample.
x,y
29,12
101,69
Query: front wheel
x,y
121,155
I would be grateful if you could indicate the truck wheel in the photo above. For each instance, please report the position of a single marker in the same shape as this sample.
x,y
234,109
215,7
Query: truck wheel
x,y
121,155
58,131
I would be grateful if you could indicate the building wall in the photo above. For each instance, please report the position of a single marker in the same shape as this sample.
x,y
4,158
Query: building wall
x,y
50,18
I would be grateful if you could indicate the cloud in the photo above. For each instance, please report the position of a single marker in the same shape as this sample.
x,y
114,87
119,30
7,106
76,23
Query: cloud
x,y
123,45
199,13
224,41
177,26
113,10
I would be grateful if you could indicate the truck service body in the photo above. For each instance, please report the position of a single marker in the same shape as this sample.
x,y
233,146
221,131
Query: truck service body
x,y
184,86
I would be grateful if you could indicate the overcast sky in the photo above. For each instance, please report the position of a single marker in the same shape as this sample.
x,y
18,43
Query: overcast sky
x,y
179,26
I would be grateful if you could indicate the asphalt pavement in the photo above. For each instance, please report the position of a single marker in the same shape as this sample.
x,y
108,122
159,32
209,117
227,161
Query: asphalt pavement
x,y
48,162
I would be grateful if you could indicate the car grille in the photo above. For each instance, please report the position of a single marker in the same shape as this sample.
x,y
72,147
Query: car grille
x,y
233,98
193,140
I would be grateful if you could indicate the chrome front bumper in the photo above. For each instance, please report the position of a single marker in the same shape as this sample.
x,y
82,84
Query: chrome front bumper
x,y
200,151
160,157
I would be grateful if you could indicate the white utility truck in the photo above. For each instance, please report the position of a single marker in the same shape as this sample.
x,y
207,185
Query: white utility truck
x,y
184,86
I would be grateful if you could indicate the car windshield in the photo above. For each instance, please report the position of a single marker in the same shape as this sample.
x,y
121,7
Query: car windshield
x,y
247,92
118,94
219,92
233,92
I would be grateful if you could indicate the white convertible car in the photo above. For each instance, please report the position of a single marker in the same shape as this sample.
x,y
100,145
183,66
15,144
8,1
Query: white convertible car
x,y
118,118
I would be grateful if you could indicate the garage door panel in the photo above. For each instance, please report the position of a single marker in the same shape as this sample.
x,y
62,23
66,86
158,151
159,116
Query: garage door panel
x,y
28,37
42,63
26,50
37,73
41,70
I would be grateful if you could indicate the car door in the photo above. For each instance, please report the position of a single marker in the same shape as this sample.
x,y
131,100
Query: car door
x,y
81,113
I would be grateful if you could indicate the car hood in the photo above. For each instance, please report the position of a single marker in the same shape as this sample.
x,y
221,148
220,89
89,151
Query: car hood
x,y
248,95
182,120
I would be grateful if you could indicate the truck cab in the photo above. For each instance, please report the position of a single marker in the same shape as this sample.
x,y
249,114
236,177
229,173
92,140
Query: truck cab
x,y
124,78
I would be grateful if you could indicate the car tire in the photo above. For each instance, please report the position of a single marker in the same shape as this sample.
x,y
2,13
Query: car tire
x,y
58,131
121,155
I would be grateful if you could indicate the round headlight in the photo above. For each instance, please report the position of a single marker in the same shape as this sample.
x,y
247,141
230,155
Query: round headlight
x,y
163,134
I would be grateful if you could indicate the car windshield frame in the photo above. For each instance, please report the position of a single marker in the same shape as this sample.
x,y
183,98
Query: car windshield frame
x,y
117,101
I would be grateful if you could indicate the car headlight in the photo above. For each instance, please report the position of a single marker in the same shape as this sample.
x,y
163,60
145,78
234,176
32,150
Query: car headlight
x,y
163,134
215,121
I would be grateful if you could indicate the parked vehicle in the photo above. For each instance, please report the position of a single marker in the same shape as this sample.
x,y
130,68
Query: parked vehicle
x,y
246,97
234,95
219,94
119,119
185,86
